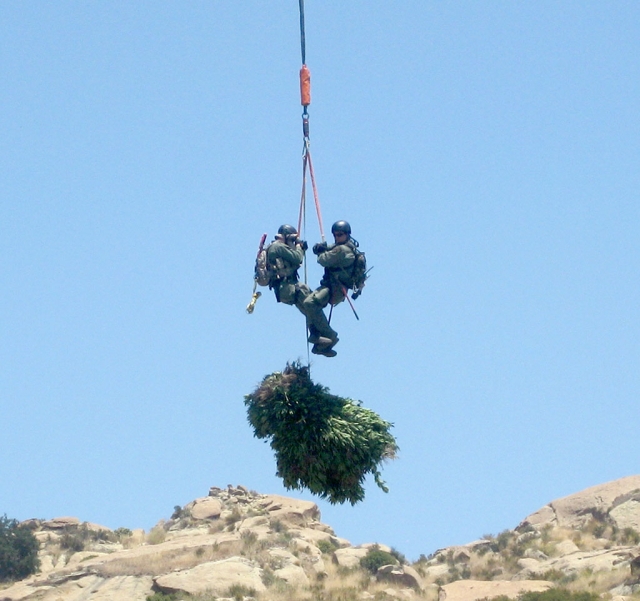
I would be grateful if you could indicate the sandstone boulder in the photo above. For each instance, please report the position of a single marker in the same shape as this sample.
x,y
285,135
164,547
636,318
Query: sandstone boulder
x,y
213,576
594,561
206,508
566,547
292,575
60,523
574,511
292,511
349,557
626,512
404,576
470,590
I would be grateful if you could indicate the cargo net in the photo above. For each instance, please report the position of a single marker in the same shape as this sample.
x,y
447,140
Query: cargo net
x,y
322,442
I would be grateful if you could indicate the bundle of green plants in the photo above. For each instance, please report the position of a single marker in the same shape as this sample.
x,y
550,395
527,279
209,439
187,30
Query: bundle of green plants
x,y
323,442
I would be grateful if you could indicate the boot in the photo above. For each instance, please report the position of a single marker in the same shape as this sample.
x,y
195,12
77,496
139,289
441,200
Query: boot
x,y
327,352
320,341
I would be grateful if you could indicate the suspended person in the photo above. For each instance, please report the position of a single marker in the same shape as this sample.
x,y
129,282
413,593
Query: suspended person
x,y
277,267
284,257
339,260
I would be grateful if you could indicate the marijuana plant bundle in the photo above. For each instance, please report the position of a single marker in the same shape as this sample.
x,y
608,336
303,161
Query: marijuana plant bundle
x,y
322,442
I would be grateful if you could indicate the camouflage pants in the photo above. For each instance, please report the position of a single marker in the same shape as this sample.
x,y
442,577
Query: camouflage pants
x,y
311,305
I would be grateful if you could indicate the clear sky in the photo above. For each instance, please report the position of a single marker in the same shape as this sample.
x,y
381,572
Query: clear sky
x,y
487,155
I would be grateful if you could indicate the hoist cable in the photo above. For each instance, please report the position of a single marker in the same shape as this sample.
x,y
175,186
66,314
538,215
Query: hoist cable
x,y
302,40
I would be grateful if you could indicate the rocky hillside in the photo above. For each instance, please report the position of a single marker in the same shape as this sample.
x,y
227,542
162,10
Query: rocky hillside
x,y
238,544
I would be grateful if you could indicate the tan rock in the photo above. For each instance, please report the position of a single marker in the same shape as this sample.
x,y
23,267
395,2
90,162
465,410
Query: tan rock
x,y
283,557
313,536
95,527
574,511
213,576
399,594
123,588
293,511
379,546
470,590
627,513
349,557
566,547
437,570
596,561
292,575
404,576
206,508
528,563
59,523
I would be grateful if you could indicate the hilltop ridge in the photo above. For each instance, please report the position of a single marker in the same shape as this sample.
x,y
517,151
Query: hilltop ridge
x,y
236,543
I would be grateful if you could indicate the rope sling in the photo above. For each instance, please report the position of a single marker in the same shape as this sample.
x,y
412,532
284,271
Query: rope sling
x,y
307,163
307,167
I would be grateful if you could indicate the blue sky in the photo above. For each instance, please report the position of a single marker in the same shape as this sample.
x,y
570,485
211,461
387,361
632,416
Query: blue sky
x,y
486,155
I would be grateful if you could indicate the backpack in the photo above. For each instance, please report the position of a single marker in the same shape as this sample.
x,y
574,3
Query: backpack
x,y
358,273
269,274
263,273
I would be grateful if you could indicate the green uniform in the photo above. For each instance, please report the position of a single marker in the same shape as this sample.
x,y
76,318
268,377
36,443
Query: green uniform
x,y
337,261
285,261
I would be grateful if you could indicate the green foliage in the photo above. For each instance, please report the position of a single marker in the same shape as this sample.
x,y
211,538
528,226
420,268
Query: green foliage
x,y
248,538
157,535
326,545
234,517
18,551
552,594
240,591
402,560
75,538
163,597
558,594
558,576
629,536
322,442
376,558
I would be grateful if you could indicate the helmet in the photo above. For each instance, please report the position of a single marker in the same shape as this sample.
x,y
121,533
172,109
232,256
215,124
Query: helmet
x,y
341,226
287,230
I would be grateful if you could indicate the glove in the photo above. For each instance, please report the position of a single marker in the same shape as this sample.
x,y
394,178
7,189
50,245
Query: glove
x,y
320,247
303,244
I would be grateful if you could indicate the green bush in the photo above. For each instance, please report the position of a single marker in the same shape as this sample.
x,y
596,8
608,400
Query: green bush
x,y
376,558
18,551
322,442
559,594
163,597
240,591
326,545
552,594
402,560
629,536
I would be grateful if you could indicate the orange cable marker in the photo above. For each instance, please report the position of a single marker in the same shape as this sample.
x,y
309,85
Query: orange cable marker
x,y
305,86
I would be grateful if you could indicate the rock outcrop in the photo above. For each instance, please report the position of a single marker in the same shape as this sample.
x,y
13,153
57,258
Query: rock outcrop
x,y
471,590
617,501
236,542
233,539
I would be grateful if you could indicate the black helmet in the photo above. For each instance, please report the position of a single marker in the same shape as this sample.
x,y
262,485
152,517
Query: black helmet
x,y
341,226
287,230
